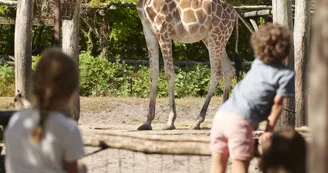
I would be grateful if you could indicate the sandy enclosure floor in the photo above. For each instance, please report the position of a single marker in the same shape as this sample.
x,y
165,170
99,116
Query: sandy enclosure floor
x,y
128,114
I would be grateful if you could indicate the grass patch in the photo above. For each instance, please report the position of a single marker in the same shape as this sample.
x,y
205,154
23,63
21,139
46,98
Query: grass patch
x,y
7,103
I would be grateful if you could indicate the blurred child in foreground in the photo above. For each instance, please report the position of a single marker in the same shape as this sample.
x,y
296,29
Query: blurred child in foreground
x,y
44,138
258,97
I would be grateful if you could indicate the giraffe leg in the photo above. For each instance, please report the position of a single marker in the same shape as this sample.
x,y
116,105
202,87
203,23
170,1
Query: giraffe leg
x,y
228,72
153,53
215,53
166,47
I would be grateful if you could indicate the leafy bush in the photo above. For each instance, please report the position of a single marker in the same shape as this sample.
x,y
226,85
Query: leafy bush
x,y
35,60
7,78
99,77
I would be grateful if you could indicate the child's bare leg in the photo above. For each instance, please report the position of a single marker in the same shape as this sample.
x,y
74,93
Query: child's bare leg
x,y
239,166
219,162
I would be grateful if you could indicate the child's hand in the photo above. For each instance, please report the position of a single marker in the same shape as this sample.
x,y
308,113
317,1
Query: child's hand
x,y
265,137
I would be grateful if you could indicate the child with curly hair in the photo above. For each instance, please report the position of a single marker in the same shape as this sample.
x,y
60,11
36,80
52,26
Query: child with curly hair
x,y
44,138
258,97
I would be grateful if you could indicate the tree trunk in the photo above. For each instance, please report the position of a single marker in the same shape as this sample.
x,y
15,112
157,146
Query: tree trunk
x,y
70,29
317,79
57,23
23,45
301,46
282,14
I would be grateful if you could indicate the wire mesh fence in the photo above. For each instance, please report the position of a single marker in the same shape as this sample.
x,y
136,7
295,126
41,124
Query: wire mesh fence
x,y
127,161
142,160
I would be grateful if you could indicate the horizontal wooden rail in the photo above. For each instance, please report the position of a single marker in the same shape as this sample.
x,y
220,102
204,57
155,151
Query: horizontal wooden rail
x,y
257,13
8,3
107,5
154,144
151,144
104,5
36,21
245,64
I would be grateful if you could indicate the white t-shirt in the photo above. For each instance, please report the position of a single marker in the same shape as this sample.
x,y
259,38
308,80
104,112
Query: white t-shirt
x,y
62,142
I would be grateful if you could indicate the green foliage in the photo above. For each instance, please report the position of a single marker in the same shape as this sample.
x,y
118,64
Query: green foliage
x,y
98,77
35,60
7,78
3,10
7,32
125,35
96,2
262,21
126,40
193,81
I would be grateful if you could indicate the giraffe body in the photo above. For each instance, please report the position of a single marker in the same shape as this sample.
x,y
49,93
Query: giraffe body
x,y
186,21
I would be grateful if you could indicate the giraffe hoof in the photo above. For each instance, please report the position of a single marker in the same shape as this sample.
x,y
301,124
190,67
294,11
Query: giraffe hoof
x,y
168,127
145,127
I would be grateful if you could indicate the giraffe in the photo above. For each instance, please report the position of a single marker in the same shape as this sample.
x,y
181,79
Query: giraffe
x,y
186,21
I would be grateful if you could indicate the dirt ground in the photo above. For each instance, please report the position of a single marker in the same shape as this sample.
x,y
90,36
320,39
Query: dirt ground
x,y
104,113
128,114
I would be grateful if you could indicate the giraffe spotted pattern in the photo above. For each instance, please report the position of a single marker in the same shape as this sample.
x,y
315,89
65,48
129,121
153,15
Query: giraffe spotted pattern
x,y
186,21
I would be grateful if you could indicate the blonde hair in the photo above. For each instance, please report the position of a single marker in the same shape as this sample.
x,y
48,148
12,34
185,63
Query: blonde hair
x,y
56,79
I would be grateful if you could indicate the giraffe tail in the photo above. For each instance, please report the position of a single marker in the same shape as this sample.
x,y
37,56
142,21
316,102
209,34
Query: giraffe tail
x,y
237,59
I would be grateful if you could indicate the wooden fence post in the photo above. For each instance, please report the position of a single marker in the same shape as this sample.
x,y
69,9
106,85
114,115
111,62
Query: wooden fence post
x,y
301,46
57,24
282,14
317,80
23,45
70,45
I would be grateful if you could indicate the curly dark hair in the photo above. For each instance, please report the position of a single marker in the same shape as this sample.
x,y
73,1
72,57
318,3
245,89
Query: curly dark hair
x,y
271,43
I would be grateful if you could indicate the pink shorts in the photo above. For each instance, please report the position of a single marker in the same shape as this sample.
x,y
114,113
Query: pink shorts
x,y
232,134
